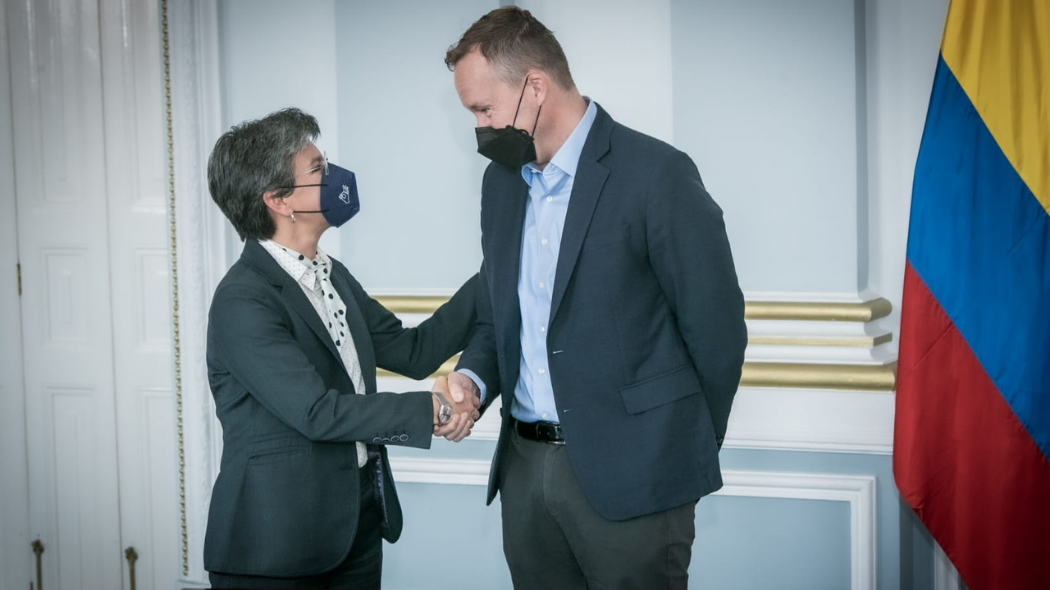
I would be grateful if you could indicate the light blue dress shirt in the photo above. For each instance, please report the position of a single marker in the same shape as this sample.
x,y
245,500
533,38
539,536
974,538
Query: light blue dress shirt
x,y
549,191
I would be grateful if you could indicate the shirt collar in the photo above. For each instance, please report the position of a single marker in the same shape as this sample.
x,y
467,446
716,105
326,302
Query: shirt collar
x,y
298,266
568,155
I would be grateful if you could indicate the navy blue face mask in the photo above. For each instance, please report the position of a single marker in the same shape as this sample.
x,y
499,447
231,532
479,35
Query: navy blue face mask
x,y
339,199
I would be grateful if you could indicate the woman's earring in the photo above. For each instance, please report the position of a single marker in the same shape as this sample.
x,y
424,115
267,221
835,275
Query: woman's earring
x,y
293,217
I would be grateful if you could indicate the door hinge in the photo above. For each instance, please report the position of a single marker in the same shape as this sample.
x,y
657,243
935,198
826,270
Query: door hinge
x,y
18,266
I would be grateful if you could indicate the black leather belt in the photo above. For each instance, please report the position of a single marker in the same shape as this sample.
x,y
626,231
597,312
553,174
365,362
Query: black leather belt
x,y
548,432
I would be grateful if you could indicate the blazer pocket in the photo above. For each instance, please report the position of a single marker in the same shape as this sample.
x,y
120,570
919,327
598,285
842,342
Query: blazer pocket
x,y
276,448
660,390
606,238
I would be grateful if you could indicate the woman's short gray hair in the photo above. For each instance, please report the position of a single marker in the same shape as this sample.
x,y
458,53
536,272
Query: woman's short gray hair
x,y
253,158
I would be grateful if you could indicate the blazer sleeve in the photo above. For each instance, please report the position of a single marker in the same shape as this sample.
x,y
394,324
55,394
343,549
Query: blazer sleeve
x,y
418,352
480,354
250,338
689,252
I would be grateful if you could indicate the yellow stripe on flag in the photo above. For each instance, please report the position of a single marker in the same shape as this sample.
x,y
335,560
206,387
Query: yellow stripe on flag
x,y
999,51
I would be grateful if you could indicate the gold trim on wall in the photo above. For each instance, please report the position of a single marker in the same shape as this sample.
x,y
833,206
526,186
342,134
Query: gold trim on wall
x,y
820,376
851,377
818,311
783,375
753,310
426,304
849,341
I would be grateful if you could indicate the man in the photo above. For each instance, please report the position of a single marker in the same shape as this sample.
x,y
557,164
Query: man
x,y
609,317
304,496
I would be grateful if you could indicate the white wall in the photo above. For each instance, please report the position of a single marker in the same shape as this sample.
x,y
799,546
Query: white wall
x,y
275,55
766,103
387,111
621,58
412,144
903,43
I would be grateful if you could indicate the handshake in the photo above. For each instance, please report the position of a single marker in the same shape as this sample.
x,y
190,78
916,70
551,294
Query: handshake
x,y
463,395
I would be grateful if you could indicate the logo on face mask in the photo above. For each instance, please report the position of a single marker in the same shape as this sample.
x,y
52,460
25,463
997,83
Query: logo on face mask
x,y
510,146
345,195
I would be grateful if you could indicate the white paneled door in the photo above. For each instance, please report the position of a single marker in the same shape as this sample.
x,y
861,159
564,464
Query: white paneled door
x,y
60,194
140,281
87,112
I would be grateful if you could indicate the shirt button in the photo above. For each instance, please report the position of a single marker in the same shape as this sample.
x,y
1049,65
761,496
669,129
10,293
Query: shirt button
x,y
542,371
549,199
544,241
545,416
543,328
541,285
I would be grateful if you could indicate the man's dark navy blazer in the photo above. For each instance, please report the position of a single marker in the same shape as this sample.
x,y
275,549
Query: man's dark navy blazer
x,y
646,335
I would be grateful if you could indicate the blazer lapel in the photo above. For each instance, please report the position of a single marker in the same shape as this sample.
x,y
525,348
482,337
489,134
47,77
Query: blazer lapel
x,y
355,320
291,292
586,188
505,264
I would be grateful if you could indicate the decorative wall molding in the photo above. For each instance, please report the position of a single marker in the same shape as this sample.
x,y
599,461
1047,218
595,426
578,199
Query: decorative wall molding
x,y
856,490
199,242
822,311
465,472
811,420
841,377
832,344
855,341
412,304
820,376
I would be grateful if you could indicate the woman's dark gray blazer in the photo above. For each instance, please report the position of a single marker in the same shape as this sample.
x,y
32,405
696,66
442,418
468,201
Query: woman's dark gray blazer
x,y
286,500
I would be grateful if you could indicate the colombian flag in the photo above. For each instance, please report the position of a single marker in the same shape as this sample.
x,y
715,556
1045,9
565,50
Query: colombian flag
x,y
972,433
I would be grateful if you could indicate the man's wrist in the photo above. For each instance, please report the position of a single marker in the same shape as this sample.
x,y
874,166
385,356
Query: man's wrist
x,y
478,383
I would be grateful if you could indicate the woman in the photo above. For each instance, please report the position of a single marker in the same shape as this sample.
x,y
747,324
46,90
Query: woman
x,y
305,496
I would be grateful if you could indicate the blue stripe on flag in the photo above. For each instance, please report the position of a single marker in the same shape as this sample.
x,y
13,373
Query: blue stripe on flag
x,y
981,242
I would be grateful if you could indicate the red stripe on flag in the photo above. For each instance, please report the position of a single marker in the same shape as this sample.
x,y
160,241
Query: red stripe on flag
x,y
961,458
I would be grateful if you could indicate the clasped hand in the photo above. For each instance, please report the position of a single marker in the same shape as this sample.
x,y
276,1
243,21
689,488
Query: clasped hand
x,y
466,404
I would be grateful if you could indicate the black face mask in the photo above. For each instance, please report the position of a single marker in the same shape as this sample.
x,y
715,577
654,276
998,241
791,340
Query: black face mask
x,y
510,146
